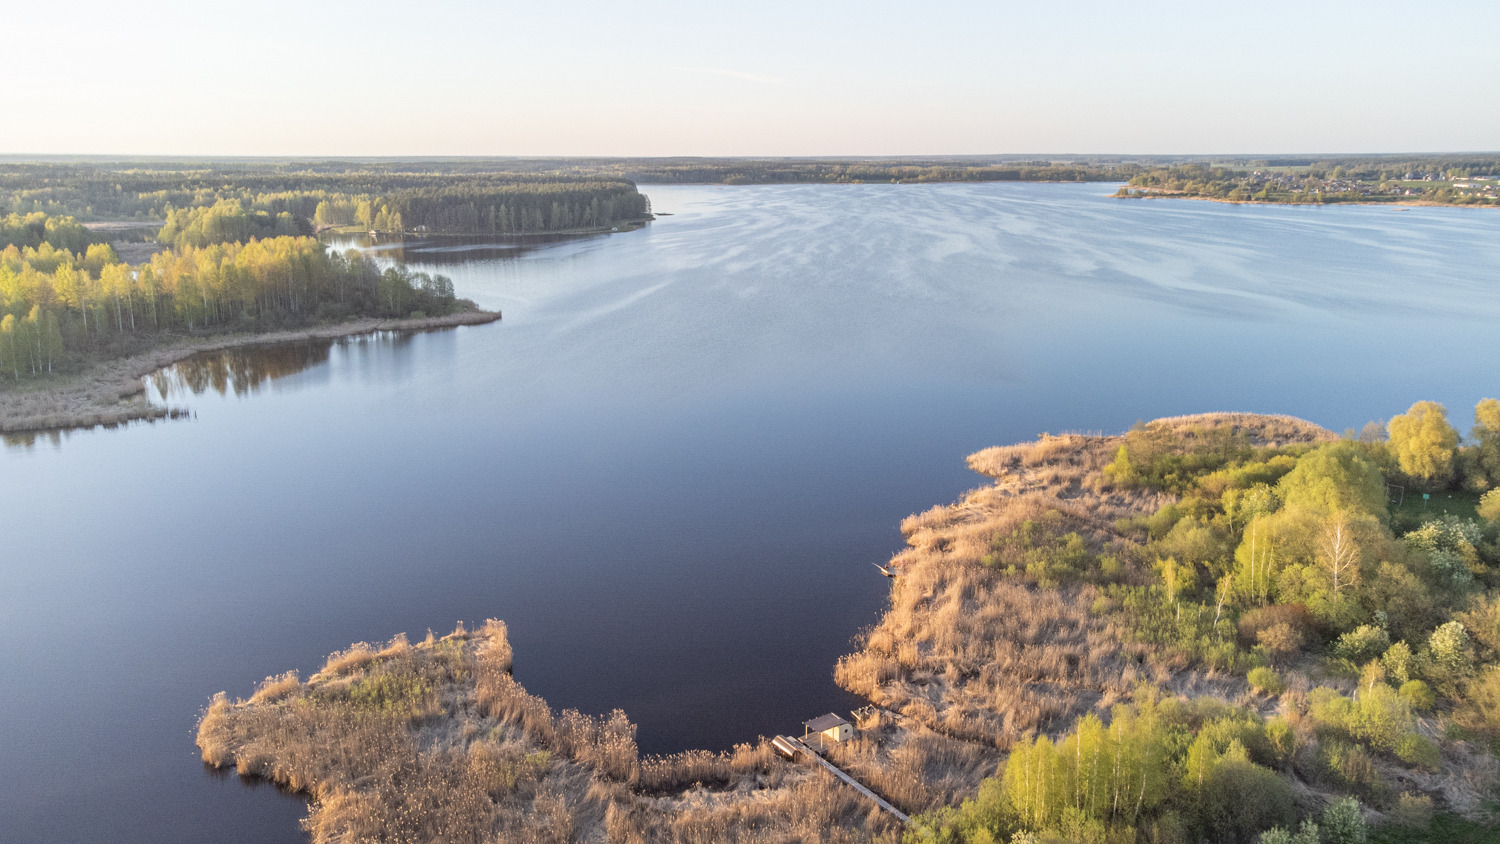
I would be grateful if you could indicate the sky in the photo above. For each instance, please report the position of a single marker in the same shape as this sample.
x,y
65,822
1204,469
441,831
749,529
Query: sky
x,y
452,77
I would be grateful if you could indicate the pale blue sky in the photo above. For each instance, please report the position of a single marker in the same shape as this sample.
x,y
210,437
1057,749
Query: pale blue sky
x,y
761,78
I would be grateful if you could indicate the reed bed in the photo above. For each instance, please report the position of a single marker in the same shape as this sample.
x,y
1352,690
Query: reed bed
x,y
437,742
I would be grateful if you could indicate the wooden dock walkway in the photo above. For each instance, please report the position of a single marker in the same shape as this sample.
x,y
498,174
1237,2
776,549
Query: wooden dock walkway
x,y
803,749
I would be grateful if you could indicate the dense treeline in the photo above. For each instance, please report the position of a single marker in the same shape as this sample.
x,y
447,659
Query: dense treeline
x,y
261,200
1362,615
226,221
521,209
59,309
34,229
820,171
1443,180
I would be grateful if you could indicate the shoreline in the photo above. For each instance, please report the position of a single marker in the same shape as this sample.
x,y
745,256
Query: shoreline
x,y
621,228
1403,202
113,393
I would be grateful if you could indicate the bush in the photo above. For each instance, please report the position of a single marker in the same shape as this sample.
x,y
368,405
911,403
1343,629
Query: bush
x,y
1344,823
1397,662
1282,739
1351,767
1254,623
1381,717
1362,644
1415,750
1280,639
1266,681
1240,799
1418,695
1449,650
1483,709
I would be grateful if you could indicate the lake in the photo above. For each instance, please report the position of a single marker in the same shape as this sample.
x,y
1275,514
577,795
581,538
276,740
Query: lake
x,y
671,465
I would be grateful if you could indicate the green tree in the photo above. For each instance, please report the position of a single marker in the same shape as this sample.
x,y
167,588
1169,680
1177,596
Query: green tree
x,y
1424,443
10,346
1489,505
1334,477
1487,441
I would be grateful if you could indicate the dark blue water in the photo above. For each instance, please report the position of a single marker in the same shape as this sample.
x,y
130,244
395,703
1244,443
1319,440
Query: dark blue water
x,y
670,467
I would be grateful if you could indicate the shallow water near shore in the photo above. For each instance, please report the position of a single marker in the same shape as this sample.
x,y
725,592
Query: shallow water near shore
x,y
671,465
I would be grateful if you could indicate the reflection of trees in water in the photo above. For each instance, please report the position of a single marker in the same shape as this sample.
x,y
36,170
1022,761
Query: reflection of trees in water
x,y
29,439
449,249
242,370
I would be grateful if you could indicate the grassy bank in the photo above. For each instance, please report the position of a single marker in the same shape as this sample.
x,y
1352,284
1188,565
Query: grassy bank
x,y
112,392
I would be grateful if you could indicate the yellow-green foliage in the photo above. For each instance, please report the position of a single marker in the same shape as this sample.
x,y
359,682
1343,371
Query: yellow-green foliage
x,y
1489,505
1380,717
225,221
1418,695
1265,681
1334,477
1424,442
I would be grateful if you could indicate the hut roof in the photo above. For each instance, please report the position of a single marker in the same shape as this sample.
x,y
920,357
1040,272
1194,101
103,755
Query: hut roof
x,y
824,722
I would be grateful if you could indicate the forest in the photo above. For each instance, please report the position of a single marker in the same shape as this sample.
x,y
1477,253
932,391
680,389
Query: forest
x,y
282,198
61,309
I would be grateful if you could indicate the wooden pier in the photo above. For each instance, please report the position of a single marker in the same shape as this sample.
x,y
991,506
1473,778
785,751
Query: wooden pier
x,y
793,747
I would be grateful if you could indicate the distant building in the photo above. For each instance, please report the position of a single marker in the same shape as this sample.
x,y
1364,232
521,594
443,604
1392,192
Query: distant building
x,y
831,727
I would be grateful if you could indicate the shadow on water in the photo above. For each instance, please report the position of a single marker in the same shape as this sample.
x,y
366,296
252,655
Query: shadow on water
x,y
241,371
246,370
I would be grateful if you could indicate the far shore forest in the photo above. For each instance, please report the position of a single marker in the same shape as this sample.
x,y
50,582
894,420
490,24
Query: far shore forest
x,y
230,246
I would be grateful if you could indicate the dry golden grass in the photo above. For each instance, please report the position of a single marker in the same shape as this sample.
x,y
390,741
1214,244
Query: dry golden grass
x,y
1259,428
437,743
916,770
979,655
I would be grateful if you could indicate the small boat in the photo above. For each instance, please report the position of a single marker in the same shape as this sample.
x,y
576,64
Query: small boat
x,y
883,570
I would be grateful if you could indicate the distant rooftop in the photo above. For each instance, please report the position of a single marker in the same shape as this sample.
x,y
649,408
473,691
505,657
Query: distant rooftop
x,y
824,722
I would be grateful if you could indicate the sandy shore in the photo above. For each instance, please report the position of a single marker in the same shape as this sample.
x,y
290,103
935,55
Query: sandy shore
x,y
113,392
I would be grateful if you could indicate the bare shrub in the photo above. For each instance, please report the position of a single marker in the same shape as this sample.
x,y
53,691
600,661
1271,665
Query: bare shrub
x,y
1295,616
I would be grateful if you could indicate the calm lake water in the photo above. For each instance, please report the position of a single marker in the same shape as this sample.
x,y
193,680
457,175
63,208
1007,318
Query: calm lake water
x,y
671,466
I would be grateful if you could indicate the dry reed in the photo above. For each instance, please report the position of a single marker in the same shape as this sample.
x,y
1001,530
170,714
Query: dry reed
x,y
438,742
